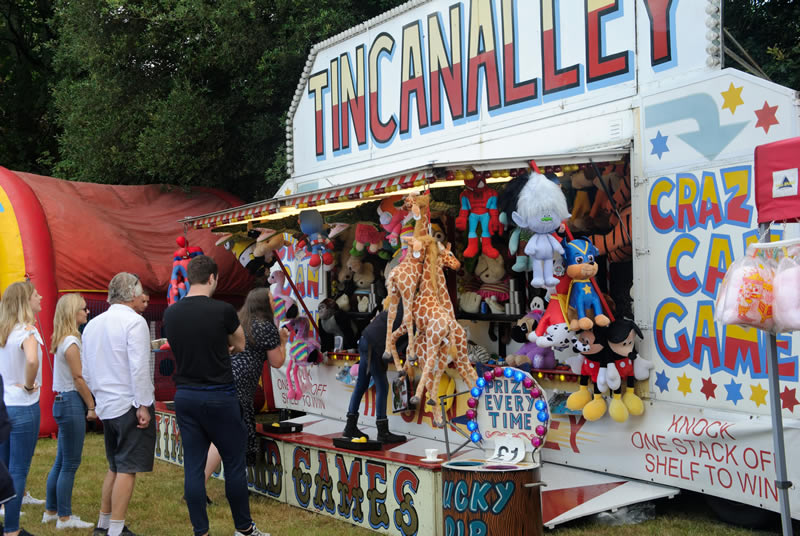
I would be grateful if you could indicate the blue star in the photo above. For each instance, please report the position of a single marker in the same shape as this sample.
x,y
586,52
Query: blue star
x,y
734,391
662,382
659,145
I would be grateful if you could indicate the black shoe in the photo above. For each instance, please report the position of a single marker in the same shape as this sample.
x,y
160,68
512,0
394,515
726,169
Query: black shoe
x,y
126,531
385,436
99,532
350,429
24,532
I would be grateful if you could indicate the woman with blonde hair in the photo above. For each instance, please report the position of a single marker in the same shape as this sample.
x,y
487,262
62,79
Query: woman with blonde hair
x,y
73,405
20,355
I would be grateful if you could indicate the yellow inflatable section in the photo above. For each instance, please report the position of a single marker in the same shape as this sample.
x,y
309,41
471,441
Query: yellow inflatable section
x,y
12,260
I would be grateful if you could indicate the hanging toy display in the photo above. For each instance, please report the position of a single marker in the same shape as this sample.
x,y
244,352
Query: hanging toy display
x,y
583,299
179,279
316,241
479,206
627,367
303,351
541,208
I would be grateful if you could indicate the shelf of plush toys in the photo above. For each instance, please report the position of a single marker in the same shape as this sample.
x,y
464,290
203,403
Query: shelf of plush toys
x,y
492,284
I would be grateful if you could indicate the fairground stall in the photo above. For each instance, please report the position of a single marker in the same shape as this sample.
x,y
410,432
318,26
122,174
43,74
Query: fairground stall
x,y
464,116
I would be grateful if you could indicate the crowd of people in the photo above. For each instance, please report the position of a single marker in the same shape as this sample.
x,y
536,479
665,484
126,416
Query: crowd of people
x,y
104,373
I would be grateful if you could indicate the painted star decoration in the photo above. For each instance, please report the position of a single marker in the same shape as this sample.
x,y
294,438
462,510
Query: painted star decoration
x,y
734,392
662,381
709,388
659,145
684,384
758,394
732,98
789,399
766,117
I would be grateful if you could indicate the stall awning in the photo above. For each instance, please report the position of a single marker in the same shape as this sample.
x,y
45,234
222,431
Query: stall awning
x,y
316,198
428,177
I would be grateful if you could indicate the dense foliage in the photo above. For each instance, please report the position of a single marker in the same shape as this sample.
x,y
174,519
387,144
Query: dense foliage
x,y
195,92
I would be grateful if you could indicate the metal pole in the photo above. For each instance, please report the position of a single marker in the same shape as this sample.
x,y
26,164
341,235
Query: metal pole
x,y
782,482
297,294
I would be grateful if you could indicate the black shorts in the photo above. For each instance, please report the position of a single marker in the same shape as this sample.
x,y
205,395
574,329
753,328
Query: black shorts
x,y
130,449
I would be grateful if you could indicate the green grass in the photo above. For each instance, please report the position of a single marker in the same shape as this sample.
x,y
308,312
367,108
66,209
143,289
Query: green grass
x,y
157,507
158,510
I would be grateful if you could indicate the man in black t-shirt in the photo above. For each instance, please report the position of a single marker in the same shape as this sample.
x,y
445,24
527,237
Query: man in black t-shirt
x,y
202,333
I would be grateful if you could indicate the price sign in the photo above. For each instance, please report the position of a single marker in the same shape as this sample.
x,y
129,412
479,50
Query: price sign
x,y
507,449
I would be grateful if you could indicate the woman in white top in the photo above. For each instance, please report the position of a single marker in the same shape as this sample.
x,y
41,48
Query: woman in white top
x,y
73,405
20,355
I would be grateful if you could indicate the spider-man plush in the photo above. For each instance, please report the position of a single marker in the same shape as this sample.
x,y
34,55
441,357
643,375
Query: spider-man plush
x,y
479,205
179,279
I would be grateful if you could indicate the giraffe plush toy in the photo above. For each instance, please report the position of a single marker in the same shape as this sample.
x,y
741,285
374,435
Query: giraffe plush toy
x,y
440,339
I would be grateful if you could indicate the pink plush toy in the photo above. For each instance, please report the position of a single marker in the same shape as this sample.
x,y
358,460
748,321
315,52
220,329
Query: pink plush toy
x,y
786,309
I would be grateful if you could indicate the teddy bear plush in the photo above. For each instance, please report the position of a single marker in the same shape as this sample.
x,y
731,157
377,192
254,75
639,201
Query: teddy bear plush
x,y
494,285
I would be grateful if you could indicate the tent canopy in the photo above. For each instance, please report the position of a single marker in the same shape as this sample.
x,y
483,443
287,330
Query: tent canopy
x,y
98,230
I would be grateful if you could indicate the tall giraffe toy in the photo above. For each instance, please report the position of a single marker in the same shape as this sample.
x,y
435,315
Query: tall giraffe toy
x,y
440,339
403,280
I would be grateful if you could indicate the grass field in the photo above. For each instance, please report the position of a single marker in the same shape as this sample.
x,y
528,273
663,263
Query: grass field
x,y
158,510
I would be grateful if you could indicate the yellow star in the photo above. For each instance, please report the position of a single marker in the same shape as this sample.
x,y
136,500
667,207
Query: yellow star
x,y
684,384
733,98
288,191
587,290
759,394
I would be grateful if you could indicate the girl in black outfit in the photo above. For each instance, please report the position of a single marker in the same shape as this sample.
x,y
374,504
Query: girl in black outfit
x,y
263,343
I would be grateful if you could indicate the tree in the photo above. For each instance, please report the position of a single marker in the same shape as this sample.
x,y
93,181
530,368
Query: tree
x,y
769,30
186,92
27,134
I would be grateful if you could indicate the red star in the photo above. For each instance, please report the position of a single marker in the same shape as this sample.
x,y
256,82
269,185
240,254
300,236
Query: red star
x,y
789,399
766,117
708,388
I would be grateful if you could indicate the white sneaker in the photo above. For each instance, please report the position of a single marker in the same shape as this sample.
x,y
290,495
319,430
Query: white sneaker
x,y
47,518
74,522
255,532
3,511
29,499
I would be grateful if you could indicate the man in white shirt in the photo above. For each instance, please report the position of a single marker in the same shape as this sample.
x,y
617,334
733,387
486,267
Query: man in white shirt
x,y
116,366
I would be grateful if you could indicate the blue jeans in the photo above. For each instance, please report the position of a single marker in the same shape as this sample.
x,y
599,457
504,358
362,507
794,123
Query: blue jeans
x,y
212,415
17,454
69,411
371,364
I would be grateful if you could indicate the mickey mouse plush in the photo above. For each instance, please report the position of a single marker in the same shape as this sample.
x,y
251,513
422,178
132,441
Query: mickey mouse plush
x,y
580,257
592,345
628,366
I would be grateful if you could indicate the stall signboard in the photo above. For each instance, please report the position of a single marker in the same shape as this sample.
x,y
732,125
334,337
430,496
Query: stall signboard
x,y
715,452
383,496
698,215
441,82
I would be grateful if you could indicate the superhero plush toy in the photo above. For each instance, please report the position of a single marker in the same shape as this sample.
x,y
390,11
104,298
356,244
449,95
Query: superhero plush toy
x,y
479,205
316,240
179,279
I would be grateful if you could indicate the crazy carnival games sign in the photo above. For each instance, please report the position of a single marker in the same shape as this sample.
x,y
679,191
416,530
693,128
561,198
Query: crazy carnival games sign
x,y
699,215
428,81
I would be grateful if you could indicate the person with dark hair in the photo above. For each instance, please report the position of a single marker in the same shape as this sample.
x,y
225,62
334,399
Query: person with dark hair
x,y
203,332
371,346
263,343
116,367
